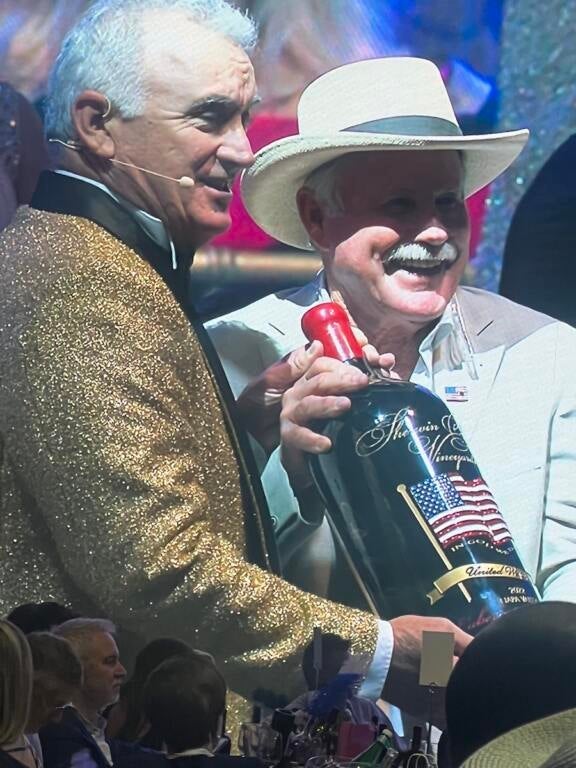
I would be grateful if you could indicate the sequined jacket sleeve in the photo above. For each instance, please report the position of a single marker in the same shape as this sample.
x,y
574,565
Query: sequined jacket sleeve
x,y
116,456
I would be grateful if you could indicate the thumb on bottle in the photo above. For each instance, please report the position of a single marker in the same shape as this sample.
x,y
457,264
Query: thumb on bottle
x,y
461,641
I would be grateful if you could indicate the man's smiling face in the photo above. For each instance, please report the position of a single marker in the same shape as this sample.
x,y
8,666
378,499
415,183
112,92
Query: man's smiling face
x,y
200,87
399,245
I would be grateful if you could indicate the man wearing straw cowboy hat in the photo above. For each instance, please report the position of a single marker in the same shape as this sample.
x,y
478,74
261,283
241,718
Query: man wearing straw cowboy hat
x,y
376,181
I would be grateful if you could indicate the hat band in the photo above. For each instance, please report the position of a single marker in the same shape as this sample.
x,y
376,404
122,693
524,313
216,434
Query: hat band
x,y
409,125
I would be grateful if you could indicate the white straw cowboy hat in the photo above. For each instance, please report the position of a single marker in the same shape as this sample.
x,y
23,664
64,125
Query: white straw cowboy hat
x,y
546,743
396,103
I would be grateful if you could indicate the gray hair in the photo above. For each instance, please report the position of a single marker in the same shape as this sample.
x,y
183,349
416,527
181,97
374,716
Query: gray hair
x,y
323,182
79,632
104,52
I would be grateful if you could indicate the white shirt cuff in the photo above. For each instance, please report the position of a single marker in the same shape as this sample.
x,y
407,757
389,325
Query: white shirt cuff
x,y
378,669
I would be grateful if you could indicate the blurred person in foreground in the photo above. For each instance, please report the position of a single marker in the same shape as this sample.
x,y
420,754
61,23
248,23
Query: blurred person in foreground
x,y
376,181
538,268
520,669
545,743
16,675
128,487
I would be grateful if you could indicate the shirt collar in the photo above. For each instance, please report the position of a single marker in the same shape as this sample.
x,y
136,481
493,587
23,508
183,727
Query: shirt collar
x,y
95,729
441,331
154,227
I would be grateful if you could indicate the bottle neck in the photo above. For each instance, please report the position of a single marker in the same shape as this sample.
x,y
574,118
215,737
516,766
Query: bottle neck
x,y
360,363
330,324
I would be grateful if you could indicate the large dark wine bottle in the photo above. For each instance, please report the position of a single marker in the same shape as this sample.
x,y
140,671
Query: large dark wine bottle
x,y
418,525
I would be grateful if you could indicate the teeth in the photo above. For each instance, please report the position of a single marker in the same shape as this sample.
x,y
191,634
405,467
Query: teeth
x,y
415,263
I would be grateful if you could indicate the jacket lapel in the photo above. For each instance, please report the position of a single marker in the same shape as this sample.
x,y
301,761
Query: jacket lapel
x,y
57,193
482,329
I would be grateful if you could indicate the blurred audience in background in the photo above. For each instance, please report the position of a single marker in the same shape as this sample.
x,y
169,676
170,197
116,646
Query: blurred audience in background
x,y
31,34
463,39
321,668
79,736
127,720
56,680
40,617
185,703
23,151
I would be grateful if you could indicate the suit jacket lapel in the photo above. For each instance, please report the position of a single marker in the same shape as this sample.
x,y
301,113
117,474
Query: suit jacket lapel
x,y
57,193
482,328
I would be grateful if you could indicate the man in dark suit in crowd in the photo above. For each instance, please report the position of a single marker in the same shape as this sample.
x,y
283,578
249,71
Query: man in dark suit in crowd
x,y
185,703
78,739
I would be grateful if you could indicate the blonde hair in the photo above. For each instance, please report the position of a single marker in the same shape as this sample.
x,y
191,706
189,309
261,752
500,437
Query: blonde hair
x,y
15,682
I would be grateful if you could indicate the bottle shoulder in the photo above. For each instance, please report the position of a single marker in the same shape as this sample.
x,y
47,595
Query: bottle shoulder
x,y
402,388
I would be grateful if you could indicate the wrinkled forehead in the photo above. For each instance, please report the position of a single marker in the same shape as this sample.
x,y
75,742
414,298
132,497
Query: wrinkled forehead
x,y
180,54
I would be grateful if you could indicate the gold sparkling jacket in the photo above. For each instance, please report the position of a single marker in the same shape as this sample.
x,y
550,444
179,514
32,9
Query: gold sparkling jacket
x,y
120,489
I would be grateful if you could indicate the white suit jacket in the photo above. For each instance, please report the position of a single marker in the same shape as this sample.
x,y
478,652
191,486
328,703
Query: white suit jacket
x,y
518,371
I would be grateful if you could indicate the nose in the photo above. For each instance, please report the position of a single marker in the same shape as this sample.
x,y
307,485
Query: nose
x,y
433,233
121,671
235,152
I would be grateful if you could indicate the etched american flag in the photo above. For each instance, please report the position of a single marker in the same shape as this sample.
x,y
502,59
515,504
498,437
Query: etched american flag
x,y
460,510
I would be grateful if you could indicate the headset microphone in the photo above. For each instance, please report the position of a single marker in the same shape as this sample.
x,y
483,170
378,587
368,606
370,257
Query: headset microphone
x,y
184,181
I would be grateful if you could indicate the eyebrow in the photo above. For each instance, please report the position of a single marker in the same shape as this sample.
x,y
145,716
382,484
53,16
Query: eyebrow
x,y
221,103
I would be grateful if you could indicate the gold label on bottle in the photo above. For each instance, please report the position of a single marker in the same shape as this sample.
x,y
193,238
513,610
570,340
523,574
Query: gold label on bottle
x,y
463,573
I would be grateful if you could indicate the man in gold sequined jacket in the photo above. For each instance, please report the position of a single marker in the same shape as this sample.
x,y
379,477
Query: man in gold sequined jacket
x,y
125,486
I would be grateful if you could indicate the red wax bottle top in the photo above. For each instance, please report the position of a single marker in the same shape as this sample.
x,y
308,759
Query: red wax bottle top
x,y
329,324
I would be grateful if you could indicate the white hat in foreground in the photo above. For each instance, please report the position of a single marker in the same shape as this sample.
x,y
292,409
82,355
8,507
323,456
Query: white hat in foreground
x,y
546,743
397,103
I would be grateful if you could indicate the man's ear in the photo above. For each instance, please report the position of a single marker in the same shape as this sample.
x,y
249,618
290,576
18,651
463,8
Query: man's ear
x,y
90,113
313,217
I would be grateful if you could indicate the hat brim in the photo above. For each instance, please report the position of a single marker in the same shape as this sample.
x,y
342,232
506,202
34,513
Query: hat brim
x,y
270,185
528,746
